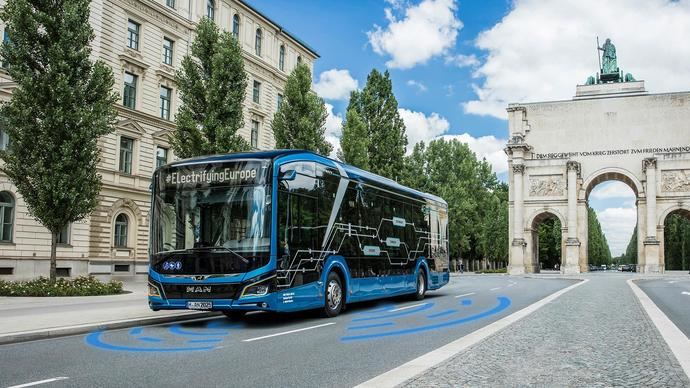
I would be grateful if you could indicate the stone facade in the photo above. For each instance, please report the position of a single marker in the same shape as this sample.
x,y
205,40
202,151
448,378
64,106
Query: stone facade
x,y
560,150
90,246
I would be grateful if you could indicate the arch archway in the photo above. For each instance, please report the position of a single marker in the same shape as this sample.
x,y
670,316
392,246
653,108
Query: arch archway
x,y
595,179
537,219
674,238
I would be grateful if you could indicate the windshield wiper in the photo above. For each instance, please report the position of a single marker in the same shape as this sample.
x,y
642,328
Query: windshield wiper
x,y
224,249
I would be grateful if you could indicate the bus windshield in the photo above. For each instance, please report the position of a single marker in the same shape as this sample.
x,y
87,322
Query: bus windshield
x,y
202,222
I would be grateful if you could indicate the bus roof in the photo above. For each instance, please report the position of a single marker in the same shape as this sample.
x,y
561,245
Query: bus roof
x,y
352,171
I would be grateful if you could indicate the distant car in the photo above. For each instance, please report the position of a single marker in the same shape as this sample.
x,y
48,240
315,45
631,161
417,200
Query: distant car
x,y
627,268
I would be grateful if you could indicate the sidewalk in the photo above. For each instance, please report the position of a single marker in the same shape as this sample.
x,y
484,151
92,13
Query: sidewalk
x,y
28,318
595,335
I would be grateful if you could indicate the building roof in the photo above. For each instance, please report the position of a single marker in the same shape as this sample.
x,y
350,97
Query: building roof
x,y
281,29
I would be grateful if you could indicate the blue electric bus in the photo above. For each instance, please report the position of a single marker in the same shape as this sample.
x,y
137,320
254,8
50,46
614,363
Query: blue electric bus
x,y
289,230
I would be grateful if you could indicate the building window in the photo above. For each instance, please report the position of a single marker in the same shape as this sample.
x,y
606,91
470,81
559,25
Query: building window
x,y
257,42
6,216
256,92
63,235
170,3
236,26
210,9
4,140
166,96
133,35
255,134
129,96
299,59
279,101
126,152
121,225
168,51
281,58
161,156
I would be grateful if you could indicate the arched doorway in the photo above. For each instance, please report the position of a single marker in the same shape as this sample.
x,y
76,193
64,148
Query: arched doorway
x,y
547,241
675,239
611,198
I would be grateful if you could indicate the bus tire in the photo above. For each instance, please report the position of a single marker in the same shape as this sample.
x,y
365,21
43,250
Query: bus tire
x,y
421,285
234,315
333,295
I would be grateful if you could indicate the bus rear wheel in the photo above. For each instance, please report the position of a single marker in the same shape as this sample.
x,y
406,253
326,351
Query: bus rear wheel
x,y
421,285
234,315
333,295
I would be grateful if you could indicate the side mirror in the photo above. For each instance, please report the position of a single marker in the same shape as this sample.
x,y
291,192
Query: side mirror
x,y
288,175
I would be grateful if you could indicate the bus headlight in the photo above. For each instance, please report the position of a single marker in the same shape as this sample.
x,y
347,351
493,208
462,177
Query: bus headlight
x,y
153,291
259,288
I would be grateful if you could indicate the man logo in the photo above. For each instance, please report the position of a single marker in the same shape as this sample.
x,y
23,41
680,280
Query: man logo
x,y
199,289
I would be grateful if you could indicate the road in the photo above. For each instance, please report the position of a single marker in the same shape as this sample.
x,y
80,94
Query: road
x,y
672,296
275,350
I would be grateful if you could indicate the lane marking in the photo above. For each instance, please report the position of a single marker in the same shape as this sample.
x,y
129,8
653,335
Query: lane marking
x,y
675,339
460,296
39,382
672,281
495,288
427,361
288,332
407,307
685,293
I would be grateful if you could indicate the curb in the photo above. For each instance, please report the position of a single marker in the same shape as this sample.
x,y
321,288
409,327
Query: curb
x,y
33,335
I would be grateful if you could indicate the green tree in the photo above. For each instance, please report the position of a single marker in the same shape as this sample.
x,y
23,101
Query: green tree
x,y
300,121
355,141
212,85
630,255
597,247
677,242
62,104
550,238
377,107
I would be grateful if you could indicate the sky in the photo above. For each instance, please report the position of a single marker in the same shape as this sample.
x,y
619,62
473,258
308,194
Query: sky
x,y
455,65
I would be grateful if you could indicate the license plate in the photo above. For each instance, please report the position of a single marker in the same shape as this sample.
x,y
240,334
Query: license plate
x,y
200,305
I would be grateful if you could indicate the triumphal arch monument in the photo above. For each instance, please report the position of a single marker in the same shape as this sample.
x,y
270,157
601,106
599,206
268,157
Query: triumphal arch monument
x,y
612,129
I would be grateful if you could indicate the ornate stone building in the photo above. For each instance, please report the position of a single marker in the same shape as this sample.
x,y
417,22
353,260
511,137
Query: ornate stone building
x,y
560,150
144,42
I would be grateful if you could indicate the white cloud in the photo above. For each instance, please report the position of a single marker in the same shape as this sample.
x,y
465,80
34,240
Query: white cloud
x,y
487,147
427,30
612,189
618,223
462,60
420,127
335,84
334,129
420,86
540,52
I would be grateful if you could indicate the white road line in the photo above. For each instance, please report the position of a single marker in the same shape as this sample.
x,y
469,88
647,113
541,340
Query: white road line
x,y
288,332
39,382
407,307
495,288
510,285
675,339
672,281
685,293
427,361
460,296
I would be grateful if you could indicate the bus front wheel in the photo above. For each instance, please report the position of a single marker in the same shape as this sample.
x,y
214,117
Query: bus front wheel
x,y
421,285
333,295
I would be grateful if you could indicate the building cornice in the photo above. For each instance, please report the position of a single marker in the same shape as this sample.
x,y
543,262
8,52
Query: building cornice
x,y
168,14
145,118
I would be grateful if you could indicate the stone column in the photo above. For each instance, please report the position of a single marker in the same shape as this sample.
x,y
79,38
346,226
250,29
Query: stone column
x,y
572,243
517,265
651,243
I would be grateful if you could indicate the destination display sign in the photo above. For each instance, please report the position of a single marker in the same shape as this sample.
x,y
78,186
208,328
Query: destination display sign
x,y
237,173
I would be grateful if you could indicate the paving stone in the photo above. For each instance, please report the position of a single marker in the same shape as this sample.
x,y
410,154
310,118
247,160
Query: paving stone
x,y
596,335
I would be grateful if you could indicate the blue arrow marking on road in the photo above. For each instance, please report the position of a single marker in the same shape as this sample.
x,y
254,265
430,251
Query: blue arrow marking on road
x,y
178,330
400,314
370,326
503,303
442,313
94,339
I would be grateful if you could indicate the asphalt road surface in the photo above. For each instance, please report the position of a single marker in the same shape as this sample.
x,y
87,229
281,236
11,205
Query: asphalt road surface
x,y
264,349
672,296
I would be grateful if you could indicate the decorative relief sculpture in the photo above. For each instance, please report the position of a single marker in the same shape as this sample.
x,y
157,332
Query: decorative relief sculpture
x,y
675,181
546,186
518,168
